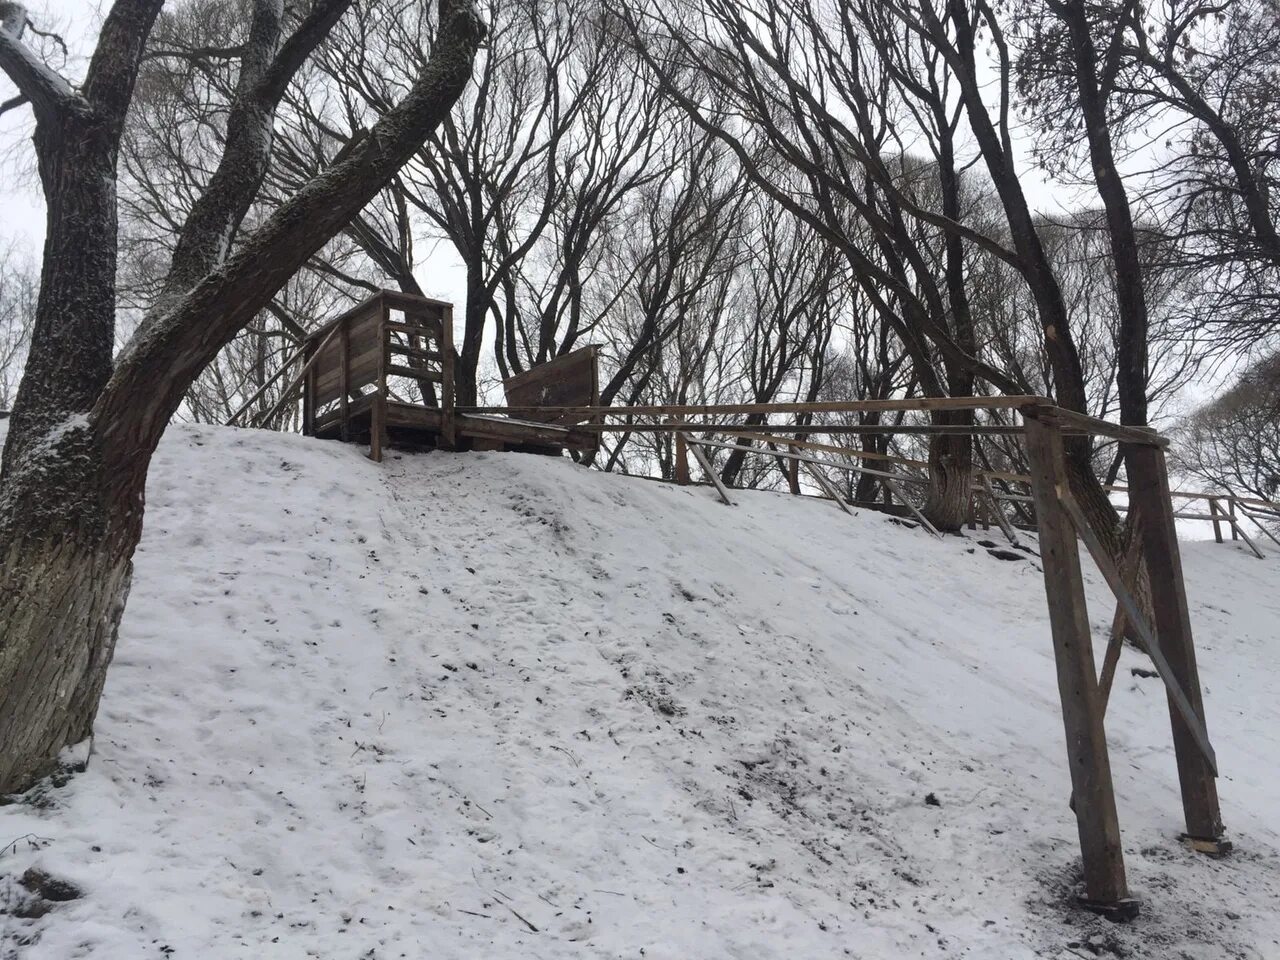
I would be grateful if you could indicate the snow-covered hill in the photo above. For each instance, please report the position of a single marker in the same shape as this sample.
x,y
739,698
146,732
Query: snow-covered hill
x,y
499,706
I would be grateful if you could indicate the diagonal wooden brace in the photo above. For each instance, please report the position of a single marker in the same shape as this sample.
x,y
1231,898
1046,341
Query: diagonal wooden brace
x,y
1139,623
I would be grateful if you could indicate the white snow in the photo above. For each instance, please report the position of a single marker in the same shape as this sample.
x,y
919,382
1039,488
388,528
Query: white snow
x,y
420,709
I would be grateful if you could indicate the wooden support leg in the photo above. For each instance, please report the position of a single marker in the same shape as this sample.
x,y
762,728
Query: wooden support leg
x,y
709,470
1149,495
1217,526
1231,511
826,486
682,460
994,506
377,428
1106,889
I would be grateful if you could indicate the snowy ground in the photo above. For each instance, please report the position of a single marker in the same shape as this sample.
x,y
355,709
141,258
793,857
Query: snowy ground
x,y
498,706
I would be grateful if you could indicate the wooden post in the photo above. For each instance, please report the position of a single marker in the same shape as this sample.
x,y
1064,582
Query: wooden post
x,y
1149,496
448,405
708,469
1105,887
309,403
378,411
1231,512
682,460
1217,525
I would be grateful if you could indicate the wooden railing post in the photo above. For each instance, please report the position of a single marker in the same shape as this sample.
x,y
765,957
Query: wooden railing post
x,y
1149,496
378,411
448,404
1105,887
344,378
308,399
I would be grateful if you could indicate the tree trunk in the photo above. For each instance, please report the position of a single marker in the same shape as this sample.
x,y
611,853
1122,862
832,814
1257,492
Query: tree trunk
x,y
950,480
63,584
466,372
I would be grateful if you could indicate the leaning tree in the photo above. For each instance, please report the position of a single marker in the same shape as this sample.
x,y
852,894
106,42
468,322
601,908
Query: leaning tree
x,y
86,422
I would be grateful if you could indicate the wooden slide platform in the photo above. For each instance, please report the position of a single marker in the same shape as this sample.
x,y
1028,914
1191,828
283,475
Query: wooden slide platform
x,y
382,373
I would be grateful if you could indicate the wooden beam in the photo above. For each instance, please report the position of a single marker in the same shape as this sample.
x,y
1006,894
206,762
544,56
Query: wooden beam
x,y
1131,571
847,406
1092,426
825,484
682,460
1087,758
1149,495
270,380
705,464
1133,613
848,467
1001,519
891,484
1236,531
449,425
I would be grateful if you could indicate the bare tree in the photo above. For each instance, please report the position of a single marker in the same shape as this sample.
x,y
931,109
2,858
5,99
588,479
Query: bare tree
x,y
86,424
1233,442
19,286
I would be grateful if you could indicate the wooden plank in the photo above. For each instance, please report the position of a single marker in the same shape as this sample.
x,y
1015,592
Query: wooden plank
x,y
413,415
290,392
362,370
309,404
1087,758
412,302
289,361
414,373
370,306
449,426
426,356
1092,426
1217,524
892,484
707,469
1149,495
378,412
825,484
563,383
430,329
1133,613
1130,572
344,383
512,431
1237,530
848,467
848,406
1005,527
833,429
